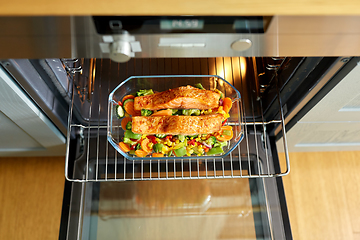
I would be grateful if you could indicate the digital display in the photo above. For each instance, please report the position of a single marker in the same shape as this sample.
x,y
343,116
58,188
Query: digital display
x,y
244,24
181,24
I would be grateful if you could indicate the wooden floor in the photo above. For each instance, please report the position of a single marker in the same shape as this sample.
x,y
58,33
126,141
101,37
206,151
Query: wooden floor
x,y
323,195
322,192
31,192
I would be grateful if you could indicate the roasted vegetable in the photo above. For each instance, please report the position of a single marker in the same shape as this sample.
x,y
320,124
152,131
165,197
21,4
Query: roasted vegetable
x,y
211,141
225,134
130,134
189,112
127,97
160,135
198,85
220,144
158,147
215,150
120,111
127,101
156,155
146,145
129,125
179,145
180,152
227,104
124,147
145,112
198,150
181,138
141,153
175,111
124,123
129,141
128,106
144,92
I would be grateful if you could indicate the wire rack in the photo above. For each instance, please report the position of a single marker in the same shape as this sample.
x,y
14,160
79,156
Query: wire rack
x,y
90,158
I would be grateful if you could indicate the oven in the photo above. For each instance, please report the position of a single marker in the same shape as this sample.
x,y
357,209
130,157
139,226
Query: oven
x,y
282,67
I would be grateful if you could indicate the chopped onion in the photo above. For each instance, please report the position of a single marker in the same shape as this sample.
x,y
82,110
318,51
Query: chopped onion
x,y
206,145
221,102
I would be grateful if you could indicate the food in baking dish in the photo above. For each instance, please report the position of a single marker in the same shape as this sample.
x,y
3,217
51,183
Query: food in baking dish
x,y
179,122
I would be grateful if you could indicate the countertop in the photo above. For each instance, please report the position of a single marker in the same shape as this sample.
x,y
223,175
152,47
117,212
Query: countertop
x,y
185,7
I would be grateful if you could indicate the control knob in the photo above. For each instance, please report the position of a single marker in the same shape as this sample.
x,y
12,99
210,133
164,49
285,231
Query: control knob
x,y
120,51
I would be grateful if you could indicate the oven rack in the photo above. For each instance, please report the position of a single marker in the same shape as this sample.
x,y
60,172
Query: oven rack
x,y
96,160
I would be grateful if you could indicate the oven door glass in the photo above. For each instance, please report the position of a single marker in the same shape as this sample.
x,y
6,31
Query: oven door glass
x,y
243,208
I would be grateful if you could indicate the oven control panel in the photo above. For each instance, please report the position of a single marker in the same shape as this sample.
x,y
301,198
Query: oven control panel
x,y
180,24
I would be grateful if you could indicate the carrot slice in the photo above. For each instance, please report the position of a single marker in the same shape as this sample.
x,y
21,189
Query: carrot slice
x,y
227,104
129,108
167,112
124,121
145,145
227,127
157,155
124,147
127,97
221,137
140,153
224,138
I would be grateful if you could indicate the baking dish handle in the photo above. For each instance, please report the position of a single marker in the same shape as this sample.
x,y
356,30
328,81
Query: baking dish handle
x,y
238,133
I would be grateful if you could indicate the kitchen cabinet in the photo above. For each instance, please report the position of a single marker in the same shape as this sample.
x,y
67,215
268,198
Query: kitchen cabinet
x,y
333,124
162,7
25,129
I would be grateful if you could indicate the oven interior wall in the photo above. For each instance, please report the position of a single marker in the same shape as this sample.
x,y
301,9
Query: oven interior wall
x,y
250,75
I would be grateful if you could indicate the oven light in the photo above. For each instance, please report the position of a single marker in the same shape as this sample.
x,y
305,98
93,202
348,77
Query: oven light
x,y
243,67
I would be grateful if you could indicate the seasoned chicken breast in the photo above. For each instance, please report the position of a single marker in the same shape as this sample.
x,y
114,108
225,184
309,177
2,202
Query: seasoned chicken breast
x,y
174,125
182,97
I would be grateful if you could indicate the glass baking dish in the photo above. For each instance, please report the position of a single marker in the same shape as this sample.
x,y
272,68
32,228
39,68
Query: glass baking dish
x,y
115,133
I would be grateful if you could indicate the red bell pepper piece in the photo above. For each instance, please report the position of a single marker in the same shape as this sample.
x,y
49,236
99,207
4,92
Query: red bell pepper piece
x,y
152,138
168,137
